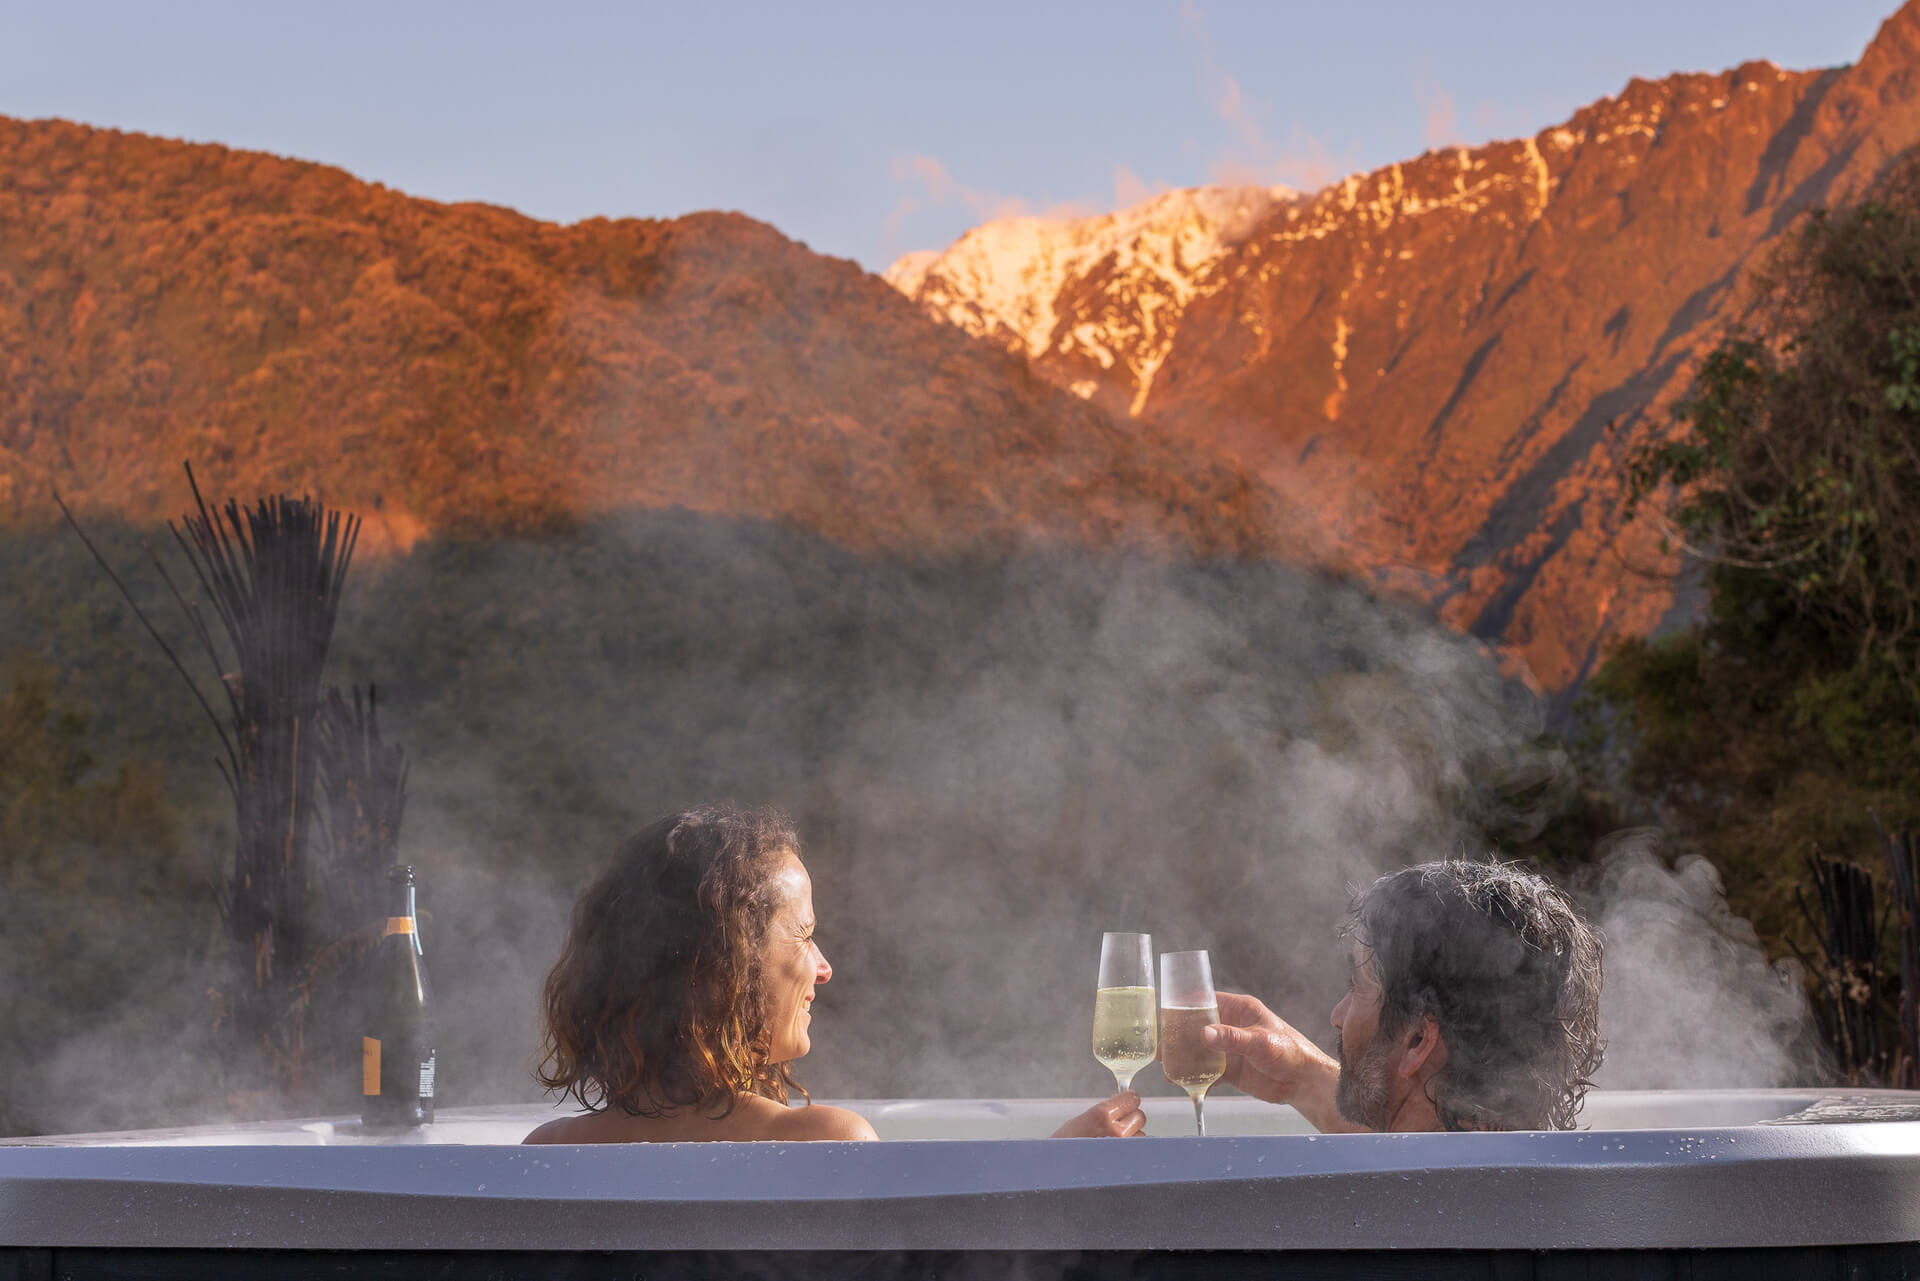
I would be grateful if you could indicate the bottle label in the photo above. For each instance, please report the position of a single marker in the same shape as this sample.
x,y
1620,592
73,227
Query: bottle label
x,y
369,1065
399,925
426,1079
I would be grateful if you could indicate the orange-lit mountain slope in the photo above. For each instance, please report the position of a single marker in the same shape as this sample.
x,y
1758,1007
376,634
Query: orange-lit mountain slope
x,y
1445,360
461,367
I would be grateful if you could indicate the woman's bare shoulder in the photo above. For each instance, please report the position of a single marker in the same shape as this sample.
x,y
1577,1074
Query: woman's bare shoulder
x,y
585,1127
555,1131
818,1121
760,1119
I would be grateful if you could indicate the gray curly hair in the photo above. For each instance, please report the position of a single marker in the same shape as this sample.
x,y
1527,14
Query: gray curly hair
x,y
1511,975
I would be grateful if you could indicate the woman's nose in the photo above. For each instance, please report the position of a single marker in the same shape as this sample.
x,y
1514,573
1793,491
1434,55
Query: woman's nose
x,y
822,971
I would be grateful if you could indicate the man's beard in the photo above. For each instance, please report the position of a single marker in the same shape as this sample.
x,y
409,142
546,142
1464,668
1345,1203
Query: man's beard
x,y
1364,1094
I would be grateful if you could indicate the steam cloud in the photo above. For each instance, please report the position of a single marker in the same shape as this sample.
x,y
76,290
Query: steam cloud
x,y
990,764
1690,999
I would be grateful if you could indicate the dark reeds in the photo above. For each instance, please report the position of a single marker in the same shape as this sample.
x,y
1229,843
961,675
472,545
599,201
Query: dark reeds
x,y
363,793
363,790
272,575
1903,865
1844,924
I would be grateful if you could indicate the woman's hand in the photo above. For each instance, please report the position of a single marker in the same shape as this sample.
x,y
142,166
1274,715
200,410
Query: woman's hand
x,y
1116,1118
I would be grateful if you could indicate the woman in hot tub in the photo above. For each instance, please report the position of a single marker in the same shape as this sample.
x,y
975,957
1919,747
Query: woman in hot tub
x,y
685,988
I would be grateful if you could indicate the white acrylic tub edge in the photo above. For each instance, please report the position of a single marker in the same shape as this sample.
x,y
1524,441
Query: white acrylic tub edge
x,y
1714,1184
1229,1115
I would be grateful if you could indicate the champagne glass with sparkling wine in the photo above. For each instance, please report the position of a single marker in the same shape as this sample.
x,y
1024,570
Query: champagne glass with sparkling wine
x,y
1187,1006
1123,1032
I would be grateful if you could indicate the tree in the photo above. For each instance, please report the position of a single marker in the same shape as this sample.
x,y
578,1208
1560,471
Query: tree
x,y
1797,470
1774,729
272,576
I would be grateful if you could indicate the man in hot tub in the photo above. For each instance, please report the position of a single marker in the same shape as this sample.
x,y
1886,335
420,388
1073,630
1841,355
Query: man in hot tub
x,y
1473,1003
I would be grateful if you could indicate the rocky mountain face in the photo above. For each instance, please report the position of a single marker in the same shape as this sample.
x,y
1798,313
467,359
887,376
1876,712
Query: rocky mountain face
x,y
438,368
1446,360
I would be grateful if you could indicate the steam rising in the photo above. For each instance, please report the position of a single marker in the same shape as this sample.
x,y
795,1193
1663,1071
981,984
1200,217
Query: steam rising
x,y
990,763
1690,999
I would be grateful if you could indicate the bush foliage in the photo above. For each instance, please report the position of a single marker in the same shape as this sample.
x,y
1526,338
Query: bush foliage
x,y
1785,719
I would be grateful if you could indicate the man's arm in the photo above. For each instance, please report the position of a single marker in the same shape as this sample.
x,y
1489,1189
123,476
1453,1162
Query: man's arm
x,y
1268,1058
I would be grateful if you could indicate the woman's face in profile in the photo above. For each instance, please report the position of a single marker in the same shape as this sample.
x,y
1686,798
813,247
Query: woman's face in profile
x,y
793,963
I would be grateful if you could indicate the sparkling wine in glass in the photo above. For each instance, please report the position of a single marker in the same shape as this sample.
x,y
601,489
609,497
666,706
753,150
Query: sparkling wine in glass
x,y
1187,1006
1123,1032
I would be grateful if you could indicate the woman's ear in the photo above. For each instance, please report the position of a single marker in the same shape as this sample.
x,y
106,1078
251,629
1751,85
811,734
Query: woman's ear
x,y
1422,1051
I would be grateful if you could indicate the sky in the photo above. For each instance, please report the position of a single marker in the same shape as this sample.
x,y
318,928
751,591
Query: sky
x,y
865,129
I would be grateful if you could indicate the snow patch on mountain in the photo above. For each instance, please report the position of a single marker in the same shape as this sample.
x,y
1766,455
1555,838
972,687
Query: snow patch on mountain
x,y
1012,280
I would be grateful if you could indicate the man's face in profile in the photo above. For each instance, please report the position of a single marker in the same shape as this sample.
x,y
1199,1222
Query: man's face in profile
x,y
1364,1094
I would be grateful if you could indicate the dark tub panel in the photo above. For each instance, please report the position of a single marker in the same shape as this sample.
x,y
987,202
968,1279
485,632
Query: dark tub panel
x,y
1833,1263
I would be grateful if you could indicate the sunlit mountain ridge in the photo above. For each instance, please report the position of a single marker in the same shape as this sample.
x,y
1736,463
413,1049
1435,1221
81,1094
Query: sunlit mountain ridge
x,y
1445,361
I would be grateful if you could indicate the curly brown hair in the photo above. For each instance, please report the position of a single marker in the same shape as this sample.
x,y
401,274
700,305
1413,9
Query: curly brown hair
x,y
1510,973
657,1001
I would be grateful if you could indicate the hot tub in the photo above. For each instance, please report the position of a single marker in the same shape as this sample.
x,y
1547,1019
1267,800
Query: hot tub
x,y
1739,1183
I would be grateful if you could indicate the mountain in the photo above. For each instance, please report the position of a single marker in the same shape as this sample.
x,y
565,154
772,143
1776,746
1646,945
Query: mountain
x,y
1446,360
461,368
1430,372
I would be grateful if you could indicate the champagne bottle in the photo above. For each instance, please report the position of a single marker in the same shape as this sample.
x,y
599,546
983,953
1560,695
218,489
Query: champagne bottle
x,y
396,1053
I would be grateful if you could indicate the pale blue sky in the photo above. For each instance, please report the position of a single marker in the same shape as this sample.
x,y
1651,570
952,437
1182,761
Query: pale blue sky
x,y
866,130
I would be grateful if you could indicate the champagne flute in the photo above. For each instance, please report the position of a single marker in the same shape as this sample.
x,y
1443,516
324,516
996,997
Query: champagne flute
x,y
1123,1031
1187,1006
